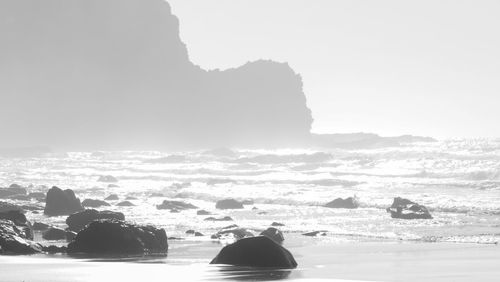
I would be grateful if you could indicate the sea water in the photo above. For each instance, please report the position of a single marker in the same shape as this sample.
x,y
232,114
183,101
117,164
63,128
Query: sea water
x,y
457,180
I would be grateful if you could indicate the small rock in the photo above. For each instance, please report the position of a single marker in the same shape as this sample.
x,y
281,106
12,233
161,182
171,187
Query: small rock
x,y
91,203
125,204
112,197
228,204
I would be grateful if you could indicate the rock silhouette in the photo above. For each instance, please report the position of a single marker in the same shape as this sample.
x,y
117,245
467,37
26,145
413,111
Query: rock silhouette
x,y
59,202
118,237
228,204
347,203
77,221
258,251
406,209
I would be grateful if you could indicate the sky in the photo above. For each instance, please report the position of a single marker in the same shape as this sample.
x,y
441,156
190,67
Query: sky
x,y
390,67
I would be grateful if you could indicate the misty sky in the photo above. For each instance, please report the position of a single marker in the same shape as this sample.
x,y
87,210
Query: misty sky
x,y
389,67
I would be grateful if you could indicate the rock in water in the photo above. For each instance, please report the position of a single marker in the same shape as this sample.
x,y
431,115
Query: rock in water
x,y
175,205
77,221
232,233
256,252
274,234
54,233
13,240
112,197
125,204
61,202
347,203
91,203
203,212
13,190
111,236
228,204
406,209
107,179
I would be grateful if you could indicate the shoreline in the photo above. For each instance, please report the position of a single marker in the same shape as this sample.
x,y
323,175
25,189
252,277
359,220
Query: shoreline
x,y
318,260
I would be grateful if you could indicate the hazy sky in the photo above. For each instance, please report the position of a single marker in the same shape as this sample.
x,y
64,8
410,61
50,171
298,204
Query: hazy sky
x,y
389,67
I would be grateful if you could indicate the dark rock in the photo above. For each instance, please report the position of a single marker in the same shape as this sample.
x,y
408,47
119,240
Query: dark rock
x,y
107,178
339,203
256,252
61,202
54,249
228,204
177,205
38,226
77,221
262,213
406,209
232,232
190,231
112,197
125,204
118,237
91,203
247,202
18,218
226,218
198,234
273,234
315,233
255,208
277,224
203,212
175,211
54,233
13,190
13,240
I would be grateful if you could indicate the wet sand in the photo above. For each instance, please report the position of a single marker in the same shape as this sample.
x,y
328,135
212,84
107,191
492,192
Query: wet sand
x,y
318,260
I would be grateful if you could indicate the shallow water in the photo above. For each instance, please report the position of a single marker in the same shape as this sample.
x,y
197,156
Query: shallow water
x,y
458,180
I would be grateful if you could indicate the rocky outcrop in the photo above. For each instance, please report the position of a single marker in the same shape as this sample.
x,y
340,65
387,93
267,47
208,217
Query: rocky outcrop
x,y
228,204
12,190
61,202
256,252
406,209
92,203
13,240
274,234
118,237
175,205
17,217
339,203
77,221
203,212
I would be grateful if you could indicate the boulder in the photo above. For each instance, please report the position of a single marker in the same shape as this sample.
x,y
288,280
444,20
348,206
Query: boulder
x,y
107,178
228,204
226,218
77,221
61,202
256,252
125,204
38,226
112,197
406,209
91,203
232,232
339,203
315,233
198,234
175,205
277,224
54,233
112,236
273,234
13,240
203,212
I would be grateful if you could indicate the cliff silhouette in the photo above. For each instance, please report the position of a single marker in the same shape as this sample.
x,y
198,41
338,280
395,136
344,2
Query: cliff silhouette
x,y
114,74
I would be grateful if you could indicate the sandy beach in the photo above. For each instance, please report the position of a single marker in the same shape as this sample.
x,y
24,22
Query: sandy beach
x,y
318,260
